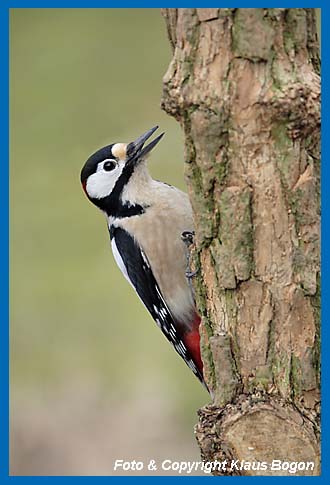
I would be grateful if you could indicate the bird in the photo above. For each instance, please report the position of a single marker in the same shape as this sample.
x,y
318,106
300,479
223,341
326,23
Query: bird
x,y
149,223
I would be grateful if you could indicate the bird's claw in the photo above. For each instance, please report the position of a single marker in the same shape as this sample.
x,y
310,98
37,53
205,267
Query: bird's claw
x,y
188,237
191,274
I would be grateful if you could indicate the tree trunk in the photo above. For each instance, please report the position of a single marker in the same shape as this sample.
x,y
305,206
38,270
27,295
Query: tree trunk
x,y
244,85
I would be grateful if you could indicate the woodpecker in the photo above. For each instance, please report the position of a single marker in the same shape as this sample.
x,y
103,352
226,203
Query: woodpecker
x,y
146,219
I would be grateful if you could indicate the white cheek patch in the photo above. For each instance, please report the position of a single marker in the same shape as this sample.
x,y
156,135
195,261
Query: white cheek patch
x,y
119,150
100,184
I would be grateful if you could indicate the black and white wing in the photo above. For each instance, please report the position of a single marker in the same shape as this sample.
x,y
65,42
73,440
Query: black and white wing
x,y
135,266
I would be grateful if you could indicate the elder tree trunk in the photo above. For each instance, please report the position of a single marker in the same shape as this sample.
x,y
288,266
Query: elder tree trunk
x,y
244,85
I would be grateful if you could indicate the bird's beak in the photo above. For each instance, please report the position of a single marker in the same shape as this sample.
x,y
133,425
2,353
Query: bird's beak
x,y
135,150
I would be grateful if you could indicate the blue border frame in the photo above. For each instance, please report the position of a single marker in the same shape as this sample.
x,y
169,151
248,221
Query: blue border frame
x,y
4,243
4,240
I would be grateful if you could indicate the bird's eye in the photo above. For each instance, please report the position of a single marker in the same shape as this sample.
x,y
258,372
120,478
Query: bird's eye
x,y
109,165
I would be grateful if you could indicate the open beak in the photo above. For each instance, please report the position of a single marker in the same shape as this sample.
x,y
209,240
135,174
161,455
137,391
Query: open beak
x,y
136,150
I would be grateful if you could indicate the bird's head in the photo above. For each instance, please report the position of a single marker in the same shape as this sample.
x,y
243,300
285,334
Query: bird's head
x,y
109,170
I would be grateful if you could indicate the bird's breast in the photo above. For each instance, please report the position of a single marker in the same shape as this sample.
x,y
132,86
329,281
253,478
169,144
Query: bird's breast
x,y
158,232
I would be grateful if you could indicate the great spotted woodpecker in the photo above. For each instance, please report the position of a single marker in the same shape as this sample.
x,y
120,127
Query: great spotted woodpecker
x,y
146,219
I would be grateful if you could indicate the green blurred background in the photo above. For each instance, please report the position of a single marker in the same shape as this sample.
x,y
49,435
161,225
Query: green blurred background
x,y
92,377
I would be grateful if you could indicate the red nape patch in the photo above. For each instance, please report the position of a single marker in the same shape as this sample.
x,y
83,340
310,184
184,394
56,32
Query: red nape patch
x,y
192,342
84,186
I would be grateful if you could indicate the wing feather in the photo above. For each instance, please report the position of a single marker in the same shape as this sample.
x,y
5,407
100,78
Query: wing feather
x,y
135,266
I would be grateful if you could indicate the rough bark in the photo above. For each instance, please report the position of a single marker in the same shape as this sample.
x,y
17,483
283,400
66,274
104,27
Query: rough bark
x,y
244,85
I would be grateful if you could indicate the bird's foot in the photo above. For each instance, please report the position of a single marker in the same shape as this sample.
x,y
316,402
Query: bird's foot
x,y
191,274
188,238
